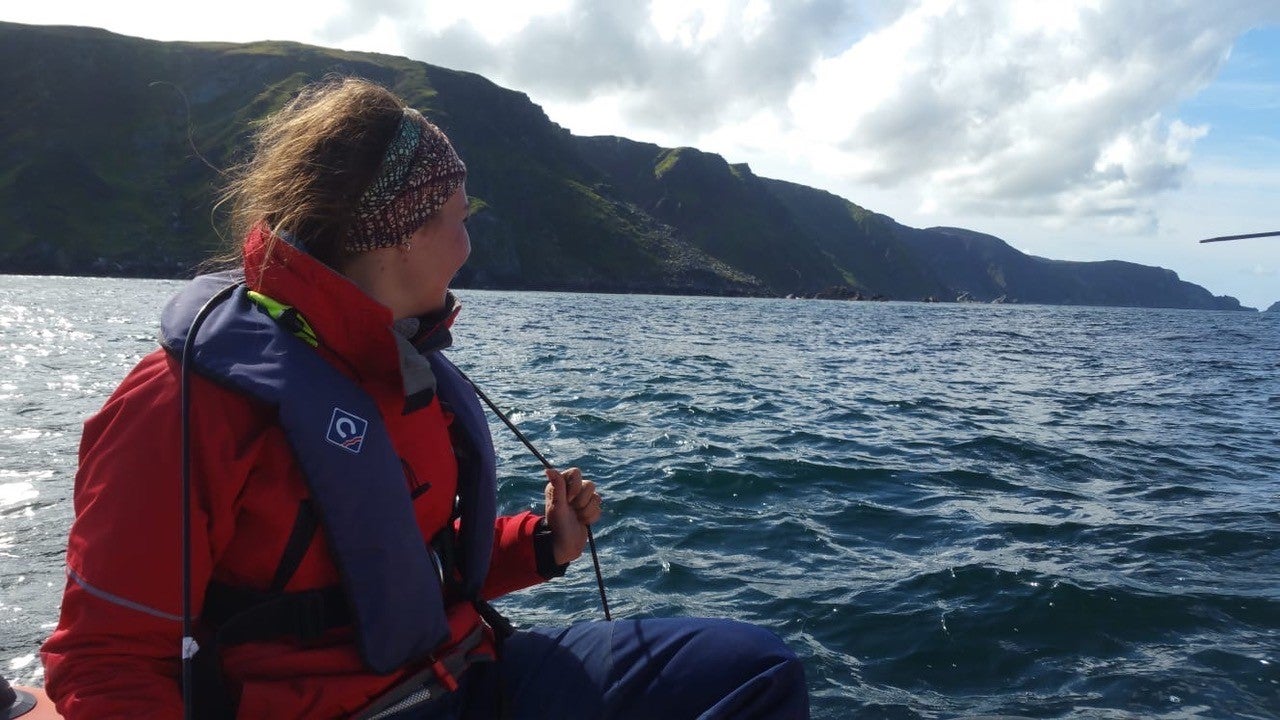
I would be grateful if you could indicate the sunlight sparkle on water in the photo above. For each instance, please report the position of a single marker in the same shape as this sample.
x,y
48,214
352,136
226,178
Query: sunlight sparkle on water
x,y
21,662
12,494
26,434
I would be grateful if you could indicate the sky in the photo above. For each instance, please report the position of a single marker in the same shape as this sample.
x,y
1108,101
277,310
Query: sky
x,y
1072,129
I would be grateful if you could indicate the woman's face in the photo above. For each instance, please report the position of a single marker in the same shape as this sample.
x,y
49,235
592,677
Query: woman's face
x,y
439,248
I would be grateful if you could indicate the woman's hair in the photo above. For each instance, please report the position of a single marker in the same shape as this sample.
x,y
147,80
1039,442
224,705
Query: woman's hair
x,y
310,163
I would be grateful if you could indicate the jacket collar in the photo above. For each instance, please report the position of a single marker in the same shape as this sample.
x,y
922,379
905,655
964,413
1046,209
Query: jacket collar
x,y
347,322
431,332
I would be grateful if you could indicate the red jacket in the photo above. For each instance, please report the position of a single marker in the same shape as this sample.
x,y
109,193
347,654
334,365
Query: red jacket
x,y
115,652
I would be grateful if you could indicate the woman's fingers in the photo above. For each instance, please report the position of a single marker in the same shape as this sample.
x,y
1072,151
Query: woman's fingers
x,y
572,483
556,494
579,494
588,503
583,496
591,513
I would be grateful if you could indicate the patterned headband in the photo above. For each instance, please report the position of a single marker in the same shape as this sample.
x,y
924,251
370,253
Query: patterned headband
x,y
420,171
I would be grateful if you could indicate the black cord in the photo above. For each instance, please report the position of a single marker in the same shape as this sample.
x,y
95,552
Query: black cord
x,y
188,640
591,540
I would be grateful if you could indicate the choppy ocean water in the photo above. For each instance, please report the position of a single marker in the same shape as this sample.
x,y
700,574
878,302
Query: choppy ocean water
x,y
946,510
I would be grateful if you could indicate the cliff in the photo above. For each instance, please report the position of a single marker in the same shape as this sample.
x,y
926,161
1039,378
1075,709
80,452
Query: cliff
x,y
110,148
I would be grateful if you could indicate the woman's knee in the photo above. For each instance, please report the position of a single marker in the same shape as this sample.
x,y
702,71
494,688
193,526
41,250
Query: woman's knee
x,y
751,647
763,677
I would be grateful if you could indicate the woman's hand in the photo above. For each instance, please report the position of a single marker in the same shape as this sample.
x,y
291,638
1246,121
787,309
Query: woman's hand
x,y
572,505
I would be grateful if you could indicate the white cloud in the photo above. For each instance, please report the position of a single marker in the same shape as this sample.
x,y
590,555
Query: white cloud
x,y
496,21
1056,110
672,65
991,108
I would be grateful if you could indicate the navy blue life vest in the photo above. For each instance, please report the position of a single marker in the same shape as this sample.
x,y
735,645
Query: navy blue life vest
x,y
389,573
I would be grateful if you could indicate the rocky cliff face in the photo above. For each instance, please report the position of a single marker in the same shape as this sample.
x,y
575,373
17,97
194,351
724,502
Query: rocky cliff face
x,y
986,268
109,149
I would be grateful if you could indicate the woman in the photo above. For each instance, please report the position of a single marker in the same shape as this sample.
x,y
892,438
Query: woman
x,y
343,541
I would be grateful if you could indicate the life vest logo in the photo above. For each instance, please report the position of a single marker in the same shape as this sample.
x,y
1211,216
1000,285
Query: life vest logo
x,y
347,430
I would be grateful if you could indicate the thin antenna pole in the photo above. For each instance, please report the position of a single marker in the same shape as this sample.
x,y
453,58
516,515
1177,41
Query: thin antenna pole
x,y
1241,237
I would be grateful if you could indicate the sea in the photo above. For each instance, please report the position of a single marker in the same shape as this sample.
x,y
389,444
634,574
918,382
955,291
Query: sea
x,y
947,510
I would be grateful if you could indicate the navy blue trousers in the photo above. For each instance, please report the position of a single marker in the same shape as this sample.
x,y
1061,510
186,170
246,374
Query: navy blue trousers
x,y
660,669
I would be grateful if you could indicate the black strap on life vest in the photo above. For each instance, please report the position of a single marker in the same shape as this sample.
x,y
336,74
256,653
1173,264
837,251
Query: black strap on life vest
x,y
239,615
445,544
233,616
295,548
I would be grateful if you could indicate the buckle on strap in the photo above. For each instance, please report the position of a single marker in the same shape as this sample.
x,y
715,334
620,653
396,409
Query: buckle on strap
x,y
430,683
446,678
458,658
